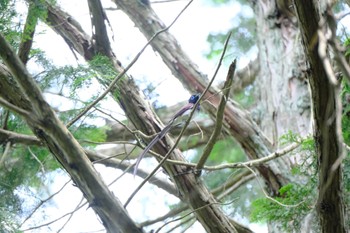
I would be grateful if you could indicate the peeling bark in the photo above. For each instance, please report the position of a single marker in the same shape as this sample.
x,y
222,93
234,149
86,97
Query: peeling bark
x,y
71,31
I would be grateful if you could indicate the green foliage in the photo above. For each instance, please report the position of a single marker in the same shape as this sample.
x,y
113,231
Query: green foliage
x,y
90,133
67,78
242,40
36,10
7,26
347,45
24,167
345,95
226,150
289,137
295,202
27,166
103,66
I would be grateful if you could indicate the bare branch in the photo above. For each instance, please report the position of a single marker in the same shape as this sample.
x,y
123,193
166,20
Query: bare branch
x,y
43,202
141,115
27,34
14,108
219,116
183,129
250,163
246,76
37,159
123,71
79,206
100,35
123,165
6,135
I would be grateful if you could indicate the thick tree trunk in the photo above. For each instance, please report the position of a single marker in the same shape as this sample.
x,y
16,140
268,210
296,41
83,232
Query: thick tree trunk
x,y
327,122
281,87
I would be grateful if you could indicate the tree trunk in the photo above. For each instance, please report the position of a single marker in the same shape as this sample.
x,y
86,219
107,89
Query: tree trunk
x,y
281,88
327,121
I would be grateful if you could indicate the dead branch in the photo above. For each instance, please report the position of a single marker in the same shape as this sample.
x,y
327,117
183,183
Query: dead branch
x,y
219,117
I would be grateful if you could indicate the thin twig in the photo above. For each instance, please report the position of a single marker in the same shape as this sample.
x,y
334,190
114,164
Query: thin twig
x,y
267,195
43,202
195,210
37,159
71,214
5,154
134,132
250,163
219,192
183,129
120,75
173,212
219,117
57,219
181,223
334,43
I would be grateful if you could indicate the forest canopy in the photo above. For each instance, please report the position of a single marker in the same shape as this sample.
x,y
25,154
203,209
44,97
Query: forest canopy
x,y
240,109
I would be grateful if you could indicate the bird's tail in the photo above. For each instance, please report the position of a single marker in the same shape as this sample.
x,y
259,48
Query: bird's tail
x,y
159,136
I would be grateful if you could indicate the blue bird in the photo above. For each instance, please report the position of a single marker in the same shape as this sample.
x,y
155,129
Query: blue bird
x,y
191,102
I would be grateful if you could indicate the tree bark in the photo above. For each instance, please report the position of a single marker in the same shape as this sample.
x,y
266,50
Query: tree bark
x,y
28,34
25,94
283,102
238,122
192,190
327,123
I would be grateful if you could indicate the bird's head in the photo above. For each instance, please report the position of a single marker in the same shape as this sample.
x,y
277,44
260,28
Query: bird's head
x,y
194,98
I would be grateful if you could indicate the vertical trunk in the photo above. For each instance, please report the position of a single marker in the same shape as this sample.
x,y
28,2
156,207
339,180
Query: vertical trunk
x,y
327,123
282,89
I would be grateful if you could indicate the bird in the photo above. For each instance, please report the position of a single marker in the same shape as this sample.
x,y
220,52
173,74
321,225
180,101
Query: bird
x,y
191,103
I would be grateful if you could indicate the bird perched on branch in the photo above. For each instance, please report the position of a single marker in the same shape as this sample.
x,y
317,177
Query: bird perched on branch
x,y
191,103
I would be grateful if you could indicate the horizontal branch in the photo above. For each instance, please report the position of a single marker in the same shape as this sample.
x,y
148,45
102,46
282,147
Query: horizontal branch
x,y
250,163
126,166
13,137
